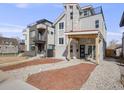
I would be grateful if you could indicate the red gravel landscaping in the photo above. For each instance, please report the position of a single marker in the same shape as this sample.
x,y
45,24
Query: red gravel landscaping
x,y
30,63
67,78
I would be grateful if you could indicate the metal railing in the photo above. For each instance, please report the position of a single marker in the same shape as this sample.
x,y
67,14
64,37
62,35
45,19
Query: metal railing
x,y
94,11
97,10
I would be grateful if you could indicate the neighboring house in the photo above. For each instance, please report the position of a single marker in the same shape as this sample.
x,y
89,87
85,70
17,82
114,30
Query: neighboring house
x,y
80,32
21,46
114,50
118,51
122,25
8,45
39,37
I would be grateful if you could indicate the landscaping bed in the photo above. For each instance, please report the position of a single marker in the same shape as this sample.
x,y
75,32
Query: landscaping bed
x,y
66,78
11,58
30,63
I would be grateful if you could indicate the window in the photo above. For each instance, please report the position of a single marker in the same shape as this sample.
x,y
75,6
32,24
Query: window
x,y
85,12
51,32
61,25
89,50
61,41
71,7
32,34
71,15
65,7
97,23
71,48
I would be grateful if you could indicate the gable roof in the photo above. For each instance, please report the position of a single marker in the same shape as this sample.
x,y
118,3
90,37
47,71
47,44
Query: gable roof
x,y
43,21
59,17
39,22
122,20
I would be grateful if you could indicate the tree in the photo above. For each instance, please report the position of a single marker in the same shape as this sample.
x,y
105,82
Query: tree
x,y
18,39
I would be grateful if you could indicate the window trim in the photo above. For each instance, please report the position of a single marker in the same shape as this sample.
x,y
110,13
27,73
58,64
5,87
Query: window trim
x,y
85,11
61,43
63,25
96,23
71,15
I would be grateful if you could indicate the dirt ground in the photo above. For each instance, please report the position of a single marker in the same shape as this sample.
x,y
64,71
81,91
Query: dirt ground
x,y
8,59
67,78
30,63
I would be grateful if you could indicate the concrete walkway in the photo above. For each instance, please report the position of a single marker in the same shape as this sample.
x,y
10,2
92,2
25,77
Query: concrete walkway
x,y
23,73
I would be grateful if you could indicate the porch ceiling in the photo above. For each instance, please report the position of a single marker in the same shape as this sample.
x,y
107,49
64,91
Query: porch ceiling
x,y
83,36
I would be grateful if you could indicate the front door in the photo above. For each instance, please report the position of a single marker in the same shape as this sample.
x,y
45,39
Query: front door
x,y
82,51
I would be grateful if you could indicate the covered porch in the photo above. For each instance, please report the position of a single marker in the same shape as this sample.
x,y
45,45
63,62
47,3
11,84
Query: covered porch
x,y
84,45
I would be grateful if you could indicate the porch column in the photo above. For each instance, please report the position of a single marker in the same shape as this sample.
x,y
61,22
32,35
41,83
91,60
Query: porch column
x,y
69,43
97,49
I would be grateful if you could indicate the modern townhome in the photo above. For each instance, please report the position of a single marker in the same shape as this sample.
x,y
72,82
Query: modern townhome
x,y
8,45
39,38
122,25
80,33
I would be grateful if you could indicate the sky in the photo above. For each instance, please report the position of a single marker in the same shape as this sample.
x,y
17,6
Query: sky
x,y
15,17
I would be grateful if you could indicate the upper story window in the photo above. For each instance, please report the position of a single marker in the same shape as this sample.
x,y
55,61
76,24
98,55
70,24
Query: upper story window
x,y
71,7
32,33
61,40
85,12
65,7
97,24
71,15
51,32
61,25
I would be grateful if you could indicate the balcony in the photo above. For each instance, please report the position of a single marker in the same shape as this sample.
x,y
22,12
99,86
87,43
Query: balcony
x,y
41,26
40,39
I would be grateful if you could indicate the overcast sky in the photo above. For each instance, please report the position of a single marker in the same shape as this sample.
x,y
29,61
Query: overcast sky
x,y
15,17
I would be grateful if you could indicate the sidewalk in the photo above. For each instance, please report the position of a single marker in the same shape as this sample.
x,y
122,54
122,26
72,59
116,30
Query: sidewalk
x,y
23,73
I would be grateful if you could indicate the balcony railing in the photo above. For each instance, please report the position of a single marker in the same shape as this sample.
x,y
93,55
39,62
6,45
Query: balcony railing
x,y
39,39
95,11
42,26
